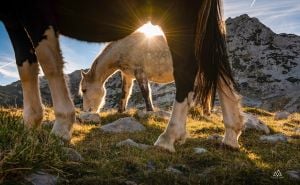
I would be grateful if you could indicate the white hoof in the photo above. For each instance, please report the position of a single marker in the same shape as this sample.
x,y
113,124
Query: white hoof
x,y
231,138
165,142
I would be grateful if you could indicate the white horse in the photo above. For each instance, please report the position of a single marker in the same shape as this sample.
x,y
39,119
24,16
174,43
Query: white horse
x,y
137,57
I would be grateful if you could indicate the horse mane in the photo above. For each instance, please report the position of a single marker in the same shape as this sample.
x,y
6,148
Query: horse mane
x,y
211,52
104,52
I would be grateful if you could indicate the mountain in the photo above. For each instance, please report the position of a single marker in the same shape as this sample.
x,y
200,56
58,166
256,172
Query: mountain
x,y
266,67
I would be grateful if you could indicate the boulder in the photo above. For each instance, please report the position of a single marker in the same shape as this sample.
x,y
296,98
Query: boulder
x,y
200,150
123,125
73,155
130,142
42,178
252,122
281,115
87,117
274,138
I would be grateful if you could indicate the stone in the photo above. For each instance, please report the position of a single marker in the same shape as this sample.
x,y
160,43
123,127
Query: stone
x,y
130,142
87,117
130,182
297,130
42,178
159,114
123,125
170,169
199,150
215,137
281,115
294,174
252,122
73,155
274,138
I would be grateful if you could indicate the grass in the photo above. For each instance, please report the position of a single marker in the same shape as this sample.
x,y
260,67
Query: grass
x,y
105,163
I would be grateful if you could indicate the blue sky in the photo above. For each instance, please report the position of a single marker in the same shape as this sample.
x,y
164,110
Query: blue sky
x,y
282,16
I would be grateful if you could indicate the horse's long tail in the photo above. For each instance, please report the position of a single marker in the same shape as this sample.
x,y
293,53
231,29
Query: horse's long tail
x,y
211,51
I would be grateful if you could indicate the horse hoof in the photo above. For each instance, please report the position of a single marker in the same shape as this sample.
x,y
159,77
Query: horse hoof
x,y
165,143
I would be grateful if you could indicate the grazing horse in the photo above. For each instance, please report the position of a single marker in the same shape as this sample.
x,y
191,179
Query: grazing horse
x,y
137,57
194,31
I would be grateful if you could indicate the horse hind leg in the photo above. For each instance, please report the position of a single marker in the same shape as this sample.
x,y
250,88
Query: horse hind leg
x,y
28,69
50,58
144,86
126,91
232,116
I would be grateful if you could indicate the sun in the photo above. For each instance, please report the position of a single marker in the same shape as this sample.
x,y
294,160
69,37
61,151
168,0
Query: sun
x,y
150,30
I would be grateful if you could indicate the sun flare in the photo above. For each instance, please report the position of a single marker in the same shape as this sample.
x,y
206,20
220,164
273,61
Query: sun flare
x,y
150,30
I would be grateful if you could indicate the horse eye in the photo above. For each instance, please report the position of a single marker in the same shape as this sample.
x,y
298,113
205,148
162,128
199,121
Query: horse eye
x,y
83,90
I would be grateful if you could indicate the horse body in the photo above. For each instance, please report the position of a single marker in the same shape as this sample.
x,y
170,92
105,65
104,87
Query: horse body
x,y
33,27
137,57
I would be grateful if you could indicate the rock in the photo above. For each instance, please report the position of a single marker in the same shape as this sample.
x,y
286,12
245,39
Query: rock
x,y
170,169
130,142
73,155
41,178
150,166
274,138
130,183
122,125
215,137
199,150
281,115
297,130
252,122
294,174
87,117
159,114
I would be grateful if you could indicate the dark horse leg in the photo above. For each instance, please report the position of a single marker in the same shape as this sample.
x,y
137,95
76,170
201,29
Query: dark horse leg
x,y
201,66
126,91
28,70
185,69
143,83
41,27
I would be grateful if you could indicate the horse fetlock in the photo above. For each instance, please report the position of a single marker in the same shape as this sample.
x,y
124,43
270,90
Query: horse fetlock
x,y
231,137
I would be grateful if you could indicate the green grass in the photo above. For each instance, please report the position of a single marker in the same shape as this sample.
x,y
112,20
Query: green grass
x,y
105,163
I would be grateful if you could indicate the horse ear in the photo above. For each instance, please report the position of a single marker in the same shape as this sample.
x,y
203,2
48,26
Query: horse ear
x,y
83,74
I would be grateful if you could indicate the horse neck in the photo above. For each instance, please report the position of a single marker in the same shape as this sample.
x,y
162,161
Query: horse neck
x,y
105,64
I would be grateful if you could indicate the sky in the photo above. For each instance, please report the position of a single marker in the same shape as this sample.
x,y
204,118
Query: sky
x,y
282,16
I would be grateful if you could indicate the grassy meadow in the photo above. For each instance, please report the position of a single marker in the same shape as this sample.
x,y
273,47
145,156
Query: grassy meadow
x,y
23,151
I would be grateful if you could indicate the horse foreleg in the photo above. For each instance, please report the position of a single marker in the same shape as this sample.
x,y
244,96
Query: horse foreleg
x,y
144,86
232,117
126,91
50,58
33,110
28,70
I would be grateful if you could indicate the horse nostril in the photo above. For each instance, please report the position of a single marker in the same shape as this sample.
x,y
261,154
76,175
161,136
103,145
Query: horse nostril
x,y
90,110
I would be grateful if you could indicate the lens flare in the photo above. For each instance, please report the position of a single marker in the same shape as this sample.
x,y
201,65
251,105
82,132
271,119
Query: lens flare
x,y
150,30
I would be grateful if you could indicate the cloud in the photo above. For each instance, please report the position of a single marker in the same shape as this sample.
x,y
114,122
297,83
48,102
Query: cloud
x,y
8,67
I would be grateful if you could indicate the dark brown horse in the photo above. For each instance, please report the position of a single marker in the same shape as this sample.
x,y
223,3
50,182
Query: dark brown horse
x,y
195,35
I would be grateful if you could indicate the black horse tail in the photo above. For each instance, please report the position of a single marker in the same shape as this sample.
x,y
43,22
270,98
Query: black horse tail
x,y
211,52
